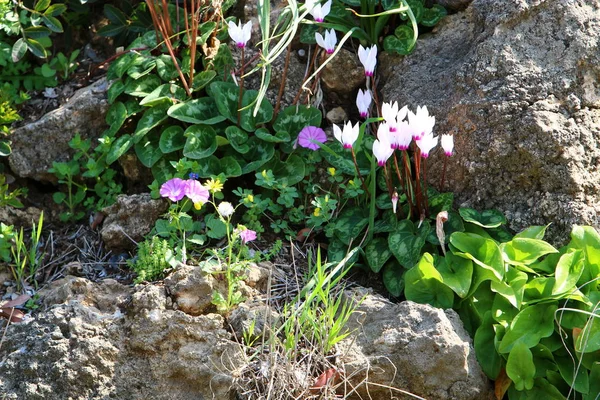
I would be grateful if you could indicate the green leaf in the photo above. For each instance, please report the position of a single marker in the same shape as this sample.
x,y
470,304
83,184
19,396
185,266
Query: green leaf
x,y
587,239
166,69
36,48
279,137
485,347
115,15
215,228
589,338
142,87
229,167
152,118
440,202
424,284
5,149
402,42
293,119
111,30
512,287
393,278
202,79
456,272
199,111
259,154
52,23
529,326
226,96
47,71
41,5
433,15
289,172
568,271
167,93
36,32
579,382
115,117
520,367
238,139
307,33
377,253
417,8
59,197
201,142
533,232
594,382
407,241
148,150
350,223
250,122
118,148
18,50
485,219
524,251
114,91
171,139
484,252
55,10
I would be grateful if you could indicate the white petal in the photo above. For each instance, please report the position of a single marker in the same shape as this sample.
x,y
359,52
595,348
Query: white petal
x,y
337,133
320,40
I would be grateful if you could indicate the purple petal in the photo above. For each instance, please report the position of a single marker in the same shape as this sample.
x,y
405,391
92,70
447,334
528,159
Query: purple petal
x,y
173,189
311,134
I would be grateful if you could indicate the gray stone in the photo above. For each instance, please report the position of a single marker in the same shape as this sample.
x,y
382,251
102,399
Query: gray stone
x,y
342,77
129,219
454,5
337,115
36,145
412,347
191,289
516,82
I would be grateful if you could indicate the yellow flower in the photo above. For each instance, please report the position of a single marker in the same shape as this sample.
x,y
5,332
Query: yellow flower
x,y
213,186
331,171
198,205
250,198
317,212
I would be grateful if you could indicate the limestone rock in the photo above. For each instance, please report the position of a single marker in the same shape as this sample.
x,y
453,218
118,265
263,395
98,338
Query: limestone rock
x,y
191,289
516,82
454,4
343,76
413,347
36,145
130,218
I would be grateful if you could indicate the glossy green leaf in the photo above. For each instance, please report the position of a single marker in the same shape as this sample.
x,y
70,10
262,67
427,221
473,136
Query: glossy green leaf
x,y
36,48
377,253
5,149
226,97
215,228
485,348
533,232
115,117
402,42
502,311
118,148
18,50
456,272
594,382
440,202
485,219
115,15
484,252
152,118
293,119
148,150
529,326
201,142
307,33
165,68
525,251
424,284
589,338
172,139
114,91
512,287
52,23
393,278
41,5
568,271
142,87
229,167
55,10
431,16
202,79
407,241
238,139
417,7
587,239
567,369
259,154
351,223
520,367
167,93
198,111
250,122
279,137
36,32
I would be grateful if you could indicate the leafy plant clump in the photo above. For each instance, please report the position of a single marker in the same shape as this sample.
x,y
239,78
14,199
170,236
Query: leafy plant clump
x,y
151,261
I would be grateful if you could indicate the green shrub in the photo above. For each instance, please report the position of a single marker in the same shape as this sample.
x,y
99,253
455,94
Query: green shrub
x,y
151,261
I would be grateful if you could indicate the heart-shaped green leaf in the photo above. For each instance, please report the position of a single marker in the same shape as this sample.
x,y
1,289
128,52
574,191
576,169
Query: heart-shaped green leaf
x,y
424,284
529,326
142,87
147,150
484,342
238,139
152,118
393,278
164,94
118,148
407,241
201,142
377,253
172,139
456,272
520,367
485,219
198,111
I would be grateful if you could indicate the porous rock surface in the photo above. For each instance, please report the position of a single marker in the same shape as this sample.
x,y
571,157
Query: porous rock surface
x,y
517,82
413,347
105,340
36,145
130,219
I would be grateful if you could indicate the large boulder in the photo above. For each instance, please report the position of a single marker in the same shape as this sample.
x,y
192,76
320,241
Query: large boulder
x,y
38,144
517,82
412,347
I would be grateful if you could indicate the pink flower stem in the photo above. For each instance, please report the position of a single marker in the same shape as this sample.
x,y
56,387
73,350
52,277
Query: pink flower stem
x,y
425,197
419,192
241,89
402,183
442,181
388,181
364,185
410,189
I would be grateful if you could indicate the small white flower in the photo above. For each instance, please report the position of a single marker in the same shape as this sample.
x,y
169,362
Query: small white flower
x,y
382,149
426,143
421,123
368,58
348,135
363,102
240,34
329,42
389,112
402,113
225,209
395,201
317,10
447,144
403,135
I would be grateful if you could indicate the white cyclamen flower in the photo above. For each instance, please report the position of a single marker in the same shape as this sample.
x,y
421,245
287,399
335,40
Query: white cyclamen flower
x,y
447,144
317,10
426,143
368,58
240,34
329,42
225,209
348,135
421,123
382,149
363,102
389,112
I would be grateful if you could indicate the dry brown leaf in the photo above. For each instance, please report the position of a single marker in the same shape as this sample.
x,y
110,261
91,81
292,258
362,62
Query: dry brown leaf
x,y
501,384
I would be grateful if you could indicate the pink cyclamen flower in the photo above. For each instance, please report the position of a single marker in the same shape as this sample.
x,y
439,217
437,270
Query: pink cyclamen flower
x,y
329,42
426,143
240,34
247,235
447,144
309,135
173,189
421,123
368,58
197,193
317,10
363,102
348,135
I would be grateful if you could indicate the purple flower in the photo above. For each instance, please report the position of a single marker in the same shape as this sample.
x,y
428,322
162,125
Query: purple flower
x,y
196,192
173,189
309,135
193,175
247,235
